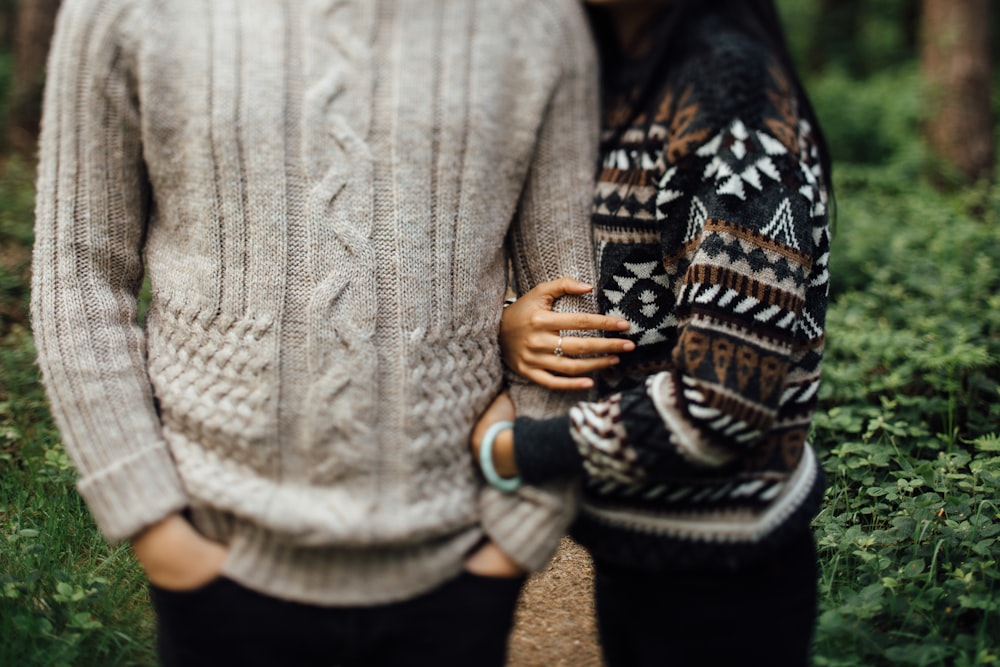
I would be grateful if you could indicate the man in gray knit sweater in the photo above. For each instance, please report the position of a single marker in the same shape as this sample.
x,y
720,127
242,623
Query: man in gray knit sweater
x,y
319,193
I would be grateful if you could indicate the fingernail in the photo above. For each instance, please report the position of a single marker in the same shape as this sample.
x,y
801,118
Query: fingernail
x,y
613,360
586,384
628,346
623,324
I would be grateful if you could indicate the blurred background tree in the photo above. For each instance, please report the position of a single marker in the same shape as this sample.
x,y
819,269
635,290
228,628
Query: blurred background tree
x,y
865,59
6,23
835,27
28,26
955,54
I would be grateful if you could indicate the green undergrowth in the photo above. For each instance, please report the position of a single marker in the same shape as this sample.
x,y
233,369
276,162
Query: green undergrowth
x,y
909,425
67,598
909,433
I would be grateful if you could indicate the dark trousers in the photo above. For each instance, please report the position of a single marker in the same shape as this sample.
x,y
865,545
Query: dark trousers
x,y
461,623
759,615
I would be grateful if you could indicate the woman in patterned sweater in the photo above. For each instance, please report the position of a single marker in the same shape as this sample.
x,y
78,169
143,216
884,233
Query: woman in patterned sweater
x,y
710,218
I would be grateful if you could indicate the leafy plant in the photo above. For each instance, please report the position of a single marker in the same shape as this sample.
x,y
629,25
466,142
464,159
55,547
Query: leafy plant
x,y
67,598
909,426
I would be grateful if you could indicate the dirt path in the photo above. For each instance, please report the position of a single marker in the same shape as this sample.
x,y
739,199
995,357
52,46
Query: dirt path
x,y
554,625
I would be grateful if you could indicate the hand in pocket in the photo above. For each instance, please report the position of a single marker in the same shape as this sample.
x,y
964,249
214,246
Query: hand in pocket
x,y
491,561
176,557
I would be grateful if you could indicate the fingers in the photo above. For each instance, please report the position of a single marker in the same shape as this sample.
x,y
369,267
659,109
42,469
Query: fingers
x,y
576,367
491,561
551,290
580,357
547,349
175,556
574,346
567,366
581,322
540,318
557,382
547,355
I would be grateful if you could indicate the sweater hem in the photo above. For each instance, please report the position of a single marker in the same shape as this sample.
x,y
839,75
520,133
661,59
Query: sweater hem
x,y
338,576
682,540
134,493
528,526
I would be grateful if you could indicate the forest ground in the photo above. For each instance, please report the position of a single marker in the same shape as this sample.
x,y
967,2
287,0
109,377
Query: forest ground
x,y
555,625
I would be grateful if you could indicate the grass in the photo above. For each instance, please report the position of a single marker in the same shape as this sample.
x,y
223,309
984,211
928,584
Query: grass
x,y
67,598
908,430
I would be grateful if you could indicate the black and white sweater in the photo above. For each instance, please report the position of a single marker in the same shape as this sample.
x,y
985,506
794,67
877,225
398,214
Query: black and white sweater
x,y
710,216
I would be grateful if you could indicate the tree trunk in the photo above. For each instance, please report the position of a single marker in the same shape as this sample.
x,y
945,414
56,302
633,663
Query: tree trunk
x,y
957,73
35,22
910,24
7,24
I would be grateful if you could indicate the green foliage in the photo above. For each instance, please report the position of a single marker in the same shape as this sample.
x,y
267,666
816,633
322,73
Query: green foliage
x,y
909,426
17,197
16,235
67,598
871,121
884,39
798,19
883,36
5,67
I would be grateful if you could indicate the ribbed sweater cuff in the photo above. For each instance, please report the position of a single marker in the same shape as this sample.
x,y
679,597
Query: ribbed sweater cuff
x,y
134,493
544,449
528,525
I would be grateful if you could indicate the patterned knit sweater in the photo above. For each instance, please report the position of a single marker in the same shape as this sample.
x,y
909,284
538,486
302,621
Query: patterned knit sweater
x,y
711,224
319,192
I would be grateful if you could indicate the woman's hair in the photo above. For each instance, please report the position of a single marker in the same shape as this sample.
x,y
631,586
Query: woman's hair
x,y
758,19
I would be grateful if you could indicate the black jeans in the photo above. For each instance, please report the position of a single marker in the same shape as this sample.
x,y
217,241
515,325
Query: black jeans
x,y
463,622
759,615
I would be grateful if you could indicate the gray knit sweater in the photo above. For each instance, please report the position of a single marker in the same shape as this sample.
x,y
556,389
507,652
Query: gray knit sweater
x,y
319,192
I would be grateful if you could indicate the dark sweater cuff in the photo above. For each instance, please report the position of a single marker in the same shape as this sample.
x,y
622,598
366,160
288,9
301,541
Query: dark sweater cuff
x,y
544,449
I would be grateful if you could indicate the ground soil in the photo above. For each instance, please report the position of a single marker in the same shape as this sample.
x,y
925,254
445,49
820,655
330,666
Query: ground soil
x,y
554,625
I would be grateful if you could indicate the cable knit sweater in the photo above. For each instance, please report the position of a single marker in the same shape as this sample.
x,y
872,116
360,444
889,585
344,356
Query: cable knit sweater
x,y
711,223
319,192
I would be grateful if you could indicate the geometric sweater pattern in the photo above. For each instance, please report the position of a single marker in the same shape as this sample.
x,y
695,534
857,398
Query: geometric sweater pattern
x,y
323,196
710,219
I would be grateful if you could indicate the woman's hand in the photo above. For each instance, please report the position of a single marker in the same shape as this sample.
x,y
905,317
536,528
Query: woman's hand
x,y
501,409
177,557
490,560
533,347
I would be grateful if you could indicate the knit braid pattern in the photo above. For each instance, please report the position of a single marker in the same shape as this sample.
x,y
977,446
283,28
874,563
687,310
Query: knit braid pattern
x,y
213,379
343,305
438,397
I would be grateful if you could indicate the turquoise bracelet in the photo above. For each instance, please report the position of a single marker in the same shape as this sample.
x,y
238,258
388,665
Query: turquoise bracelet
x,y
505,484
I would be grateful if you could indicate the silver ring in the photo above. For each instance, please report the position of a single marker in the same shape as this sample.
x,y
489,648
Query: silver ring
x,y
558,351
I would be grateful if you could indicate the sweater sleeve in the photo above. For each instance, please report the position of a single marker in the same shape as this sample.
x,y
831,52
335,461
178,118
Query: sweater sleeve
x,y
91,210
551,237
747,259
